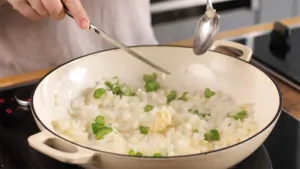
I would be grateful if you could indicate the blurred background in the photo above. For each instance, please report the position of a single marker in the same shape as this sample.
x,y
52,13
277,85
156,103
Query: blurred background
x,y
181,16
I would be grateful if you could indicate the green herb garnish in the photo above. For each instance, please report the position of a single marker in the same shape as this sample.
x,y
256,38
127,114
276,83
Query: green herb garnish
x,y
95,127
127,91
99,123
148,108
116,90
100,120
109,85
131,152
102,132
171,96
119,89
99,92
151,86
212,135
240,115
150,77
198,113
144,130
183,97
209,93
157,155
136,154
99,128
195,130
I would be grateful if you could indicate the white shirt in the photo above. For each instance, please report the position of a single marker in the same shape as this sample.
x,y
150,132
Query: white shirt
x,y
27,45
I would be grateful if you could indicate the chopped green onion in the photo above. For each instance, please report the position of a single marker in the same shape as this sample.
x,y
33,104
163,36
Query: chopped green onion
x,y
100,120
152,86
144,130
157,155
116,90
197,112
95,127
195,130
102,132
99,92
183,97
150,77
136,154
119,89
171,96
139,154
99,128
209,93
212,135
109,85
127,91
148,108
240,115
131,152
99,123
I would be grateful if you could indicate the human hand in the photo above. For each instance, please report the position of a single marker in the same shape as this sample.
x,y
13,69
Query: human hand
x,y
37,9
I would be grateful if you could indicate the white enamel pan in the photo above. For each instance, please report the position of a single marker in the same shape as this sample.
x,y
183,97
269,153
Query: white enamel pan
x,y
245,82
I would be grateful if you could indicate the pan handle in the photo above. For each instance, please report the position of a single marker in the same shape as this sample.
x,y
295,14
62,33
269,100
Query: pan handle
x,y
59,149
232,48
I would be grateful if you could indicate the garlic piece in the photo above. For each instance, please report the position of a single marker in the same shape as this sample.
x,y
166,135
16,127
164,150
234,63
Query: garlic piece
x,y
162,120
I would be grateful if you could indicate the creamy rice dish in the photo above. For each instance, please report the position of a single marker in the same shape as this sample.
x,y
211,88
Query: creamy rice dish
x,y
155,120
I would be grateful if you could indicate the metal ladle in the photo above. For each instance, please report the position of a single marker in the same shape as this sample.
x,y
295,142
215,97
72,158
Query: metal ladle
x,y
119,44
206,30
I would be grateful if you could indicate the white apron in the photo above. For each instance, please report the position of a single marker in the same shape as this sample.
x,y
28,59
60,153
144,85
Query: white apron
x,y
27,45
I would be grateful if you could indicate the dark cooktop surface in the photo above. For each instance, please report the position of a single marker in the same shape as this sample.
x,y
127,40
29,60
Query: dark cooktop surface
x,y
17,124
278,51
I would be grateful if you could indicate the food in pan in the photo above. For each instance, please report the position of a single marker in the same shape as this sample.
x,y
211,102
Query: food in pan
x,y
154,119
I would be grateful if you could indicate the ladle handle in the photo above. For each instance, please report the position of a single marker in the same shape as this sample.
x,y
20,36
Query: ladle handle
x,y
119,44
66,10
209,5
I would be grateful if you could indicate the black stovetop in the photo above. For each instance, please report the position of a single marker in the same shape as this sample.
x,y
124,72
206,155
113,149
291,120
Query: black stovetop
x,y
16,125
280,151
278,51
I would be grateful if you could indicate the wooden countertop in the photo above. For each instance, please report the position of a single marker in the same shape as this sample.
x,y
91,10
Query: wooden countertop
x,y
291,97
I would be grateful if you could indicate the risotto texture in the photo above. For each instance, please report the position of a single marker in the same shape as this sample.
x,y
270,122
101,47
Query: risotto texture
x,y
155,120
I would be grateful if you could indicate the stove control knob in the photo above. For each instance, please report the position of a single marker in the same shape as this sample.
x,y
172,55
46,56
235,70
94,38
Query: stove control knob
x,y
280,40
